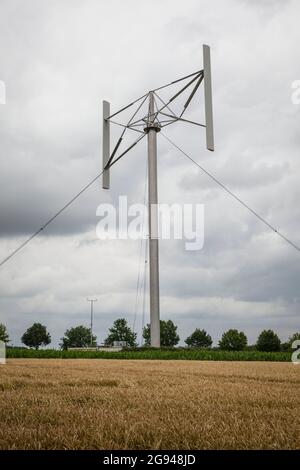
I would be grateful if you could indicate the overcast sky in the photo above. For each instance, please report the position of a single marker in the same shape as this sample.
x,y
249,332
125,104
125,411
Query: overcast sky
x,y
59,60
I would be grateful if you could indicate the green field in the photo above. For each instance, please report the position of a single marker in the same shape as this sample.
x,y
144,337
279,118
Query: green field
x,y
161,354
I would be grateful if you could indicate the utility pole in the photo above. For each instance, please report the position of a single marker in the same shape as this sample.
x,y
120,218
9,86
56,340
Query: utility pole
x,y
92,312
152,129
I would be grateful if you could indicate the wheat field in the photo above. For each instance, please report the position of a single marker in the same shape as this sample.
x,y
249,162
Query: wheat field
x,y
119,404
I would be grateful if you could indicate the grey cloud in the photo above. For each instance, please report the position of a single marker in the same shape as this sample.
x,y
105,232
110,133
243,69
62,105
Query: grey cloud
x,y
59,60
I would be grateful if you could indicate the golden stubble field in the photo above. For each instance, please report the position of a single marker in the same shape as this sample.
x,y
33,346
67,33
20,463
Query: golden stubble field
x,y
112,404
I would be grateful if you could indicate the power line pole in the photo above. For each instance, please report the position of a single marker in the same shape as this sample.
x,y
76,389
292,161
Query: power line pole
x,y
152,128
92,313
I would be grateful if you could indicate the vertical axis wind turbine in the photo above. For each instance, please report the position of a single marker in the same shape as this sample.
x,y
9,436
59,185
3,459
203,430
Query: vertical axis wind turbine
x,y
158,115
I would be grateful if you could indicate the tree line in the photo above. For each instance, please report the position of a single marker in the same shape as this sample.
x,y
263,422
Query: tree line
x,y
80,336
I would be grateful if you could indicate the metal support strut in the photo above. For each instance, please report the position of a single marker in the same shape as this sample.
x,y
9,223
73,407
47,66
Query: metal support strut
x,y
152,129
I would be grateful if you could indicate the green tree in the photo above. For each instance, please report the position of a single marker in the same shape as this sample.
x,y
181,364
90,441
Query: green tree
x,y
285,347
120,331
294,337
233,340
168,334
268,341
36,336
78,337
199,339
3,333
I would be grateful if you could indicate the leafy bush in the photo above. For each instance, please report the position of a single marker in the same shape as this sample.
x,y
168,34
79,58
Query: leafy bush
x,y
233,340
285,347
168,334
294,337
3,333
78,337
199,339
268,341
36,336
120,331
